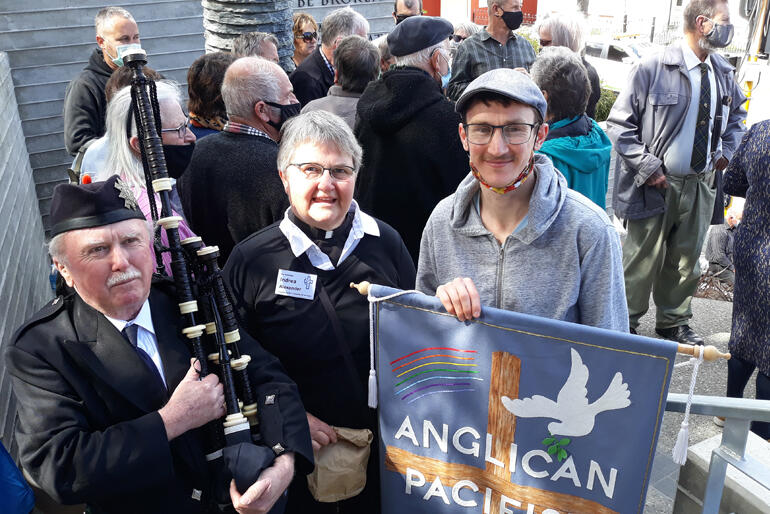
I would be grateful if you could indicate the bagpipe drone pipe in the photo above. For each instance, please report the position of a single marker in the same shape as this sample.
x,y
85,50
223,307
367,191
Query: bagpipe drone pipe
x,y
233,450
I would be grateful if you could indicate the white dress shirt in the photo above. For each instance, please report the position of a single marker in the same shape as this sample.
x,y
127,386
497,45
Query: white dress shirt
x,y
145,336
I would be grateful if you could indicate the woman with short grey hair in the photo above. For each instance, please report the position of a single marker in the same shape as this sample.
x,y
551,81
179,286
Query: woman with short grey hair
x,y
463,31
568,31
290,284
576,144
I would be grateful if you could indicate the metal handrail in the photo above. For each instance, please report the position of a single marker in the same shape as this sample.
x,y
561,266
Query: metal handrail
x,y
738,414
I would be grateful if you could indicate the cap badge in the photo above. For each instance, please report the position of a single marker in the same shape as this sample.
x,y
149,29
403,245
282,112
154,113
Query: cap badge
x,y
125,193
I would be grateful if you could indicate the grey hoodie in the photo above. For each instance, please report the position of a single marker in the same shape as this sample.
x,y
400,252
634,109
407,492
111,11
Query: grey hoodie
x,y
564,264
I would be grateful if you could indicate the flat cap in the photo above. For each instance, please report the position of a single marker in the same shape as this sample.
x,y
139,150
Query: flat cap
x,y
505,82
92,205
418,32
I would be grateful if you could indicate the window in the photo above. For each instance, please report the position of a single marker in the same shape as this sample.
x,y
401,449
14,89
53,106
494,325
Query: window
x,y
594,49
616,53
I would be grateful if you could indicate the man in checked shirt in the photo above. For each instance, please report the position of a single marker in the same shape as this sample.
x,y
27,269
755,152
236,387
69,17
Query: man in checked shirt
x,y
494,47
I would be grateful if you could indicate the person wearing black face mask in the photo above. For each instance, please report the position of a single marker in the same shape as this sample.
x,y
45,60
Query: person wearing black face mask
x,y
675,126
231,187
497,46
403,9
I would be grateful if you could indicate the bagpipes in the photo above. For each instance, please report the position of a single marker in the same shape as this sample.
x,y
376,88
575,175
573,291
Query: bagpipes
x,y
211,328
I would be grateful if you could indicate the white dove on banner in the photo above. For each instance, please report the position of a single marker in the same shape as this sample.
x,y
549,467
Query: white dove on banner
x,y
575,415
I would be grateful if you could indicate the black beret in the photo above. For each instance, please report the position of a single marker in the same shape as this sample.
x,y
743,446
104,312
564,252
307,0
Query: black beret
x,y
92,205
417,33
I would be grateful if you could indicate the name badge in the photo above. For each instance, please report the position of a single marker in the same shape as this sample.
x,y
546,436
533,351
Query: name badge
x,y
296,284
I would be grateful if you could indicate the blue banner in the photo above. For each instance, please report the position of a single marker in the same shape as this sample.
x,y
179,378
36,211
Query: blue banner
x,y
513,413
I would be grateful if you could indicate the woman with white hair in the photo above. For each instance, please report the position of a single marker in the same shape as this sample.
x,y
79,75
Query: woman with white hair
x,y
124,157
319,327
568,31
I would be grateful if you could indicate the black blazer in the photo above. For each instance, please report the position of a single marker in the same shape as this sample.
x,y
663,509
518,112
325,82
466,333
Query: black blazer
x,y
312,78
89,430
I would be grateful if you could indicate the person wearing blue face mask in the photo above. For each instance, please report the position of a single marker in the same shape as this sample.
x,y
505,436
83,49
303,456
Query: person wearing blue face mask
x,y
675,126
85,104
408,130
497,46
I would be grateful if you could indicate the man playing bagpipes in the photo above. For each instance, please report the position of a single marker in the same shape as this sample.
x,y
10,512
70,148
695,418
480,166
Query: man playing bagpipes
x,y
109,403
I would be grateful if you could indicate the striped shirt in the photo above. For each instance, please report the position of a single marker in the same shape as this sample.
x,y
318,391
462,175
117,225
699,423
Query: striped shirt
x,y
481,52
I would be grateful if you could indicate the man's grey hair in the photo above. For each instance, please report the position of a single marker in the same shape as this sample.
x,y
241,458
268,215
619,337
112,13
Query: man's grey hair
x,y
320,128
247,81
695,8
420,58
57,250
120,159
342,22
566,30
250,43
382,46
357,62
559,72
467,27
409,4
105,15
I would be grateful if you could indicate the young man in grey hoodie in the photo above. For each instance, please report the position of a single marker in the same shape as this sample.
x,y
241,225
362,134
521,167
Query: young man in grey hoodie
x,y
513,235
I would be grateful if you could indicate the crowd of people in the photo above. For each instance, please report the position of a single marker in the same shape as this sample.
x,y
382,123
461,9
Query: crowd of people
x,y
450,159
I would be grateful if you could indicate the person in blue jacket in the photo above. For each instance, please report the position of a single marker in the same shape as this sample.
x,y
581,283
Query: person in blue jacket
x,y
576,144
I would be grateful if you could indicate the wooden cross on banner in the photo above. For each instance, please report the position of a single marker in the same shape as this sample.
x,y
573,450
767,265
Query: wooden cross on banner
x,y
501,423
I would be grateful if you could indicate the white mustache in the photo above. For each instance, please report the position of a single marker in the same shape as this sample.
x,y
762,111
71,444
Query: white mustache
x,y
123,276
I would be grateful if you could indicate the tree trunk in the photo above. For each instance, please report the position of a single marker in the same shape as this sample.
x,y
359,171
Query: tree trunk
x,y
224,20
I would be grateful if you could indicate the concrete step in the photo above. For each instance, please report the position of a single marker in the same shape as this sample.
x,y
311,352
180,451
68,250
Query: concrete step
x,y
40,109
82,52
76,35
47,158
44,92
41,74
53,173
49,141
45,125
38,18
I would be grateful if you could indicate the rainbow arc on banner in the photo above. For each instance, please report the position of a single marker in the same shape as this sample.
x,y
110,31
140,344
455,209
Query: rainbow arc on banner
x,y
442,370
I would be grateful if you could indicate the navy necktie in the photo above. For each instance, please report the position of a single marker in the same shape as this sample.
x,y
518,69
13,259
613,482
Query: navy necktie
x,y
700,141
130,332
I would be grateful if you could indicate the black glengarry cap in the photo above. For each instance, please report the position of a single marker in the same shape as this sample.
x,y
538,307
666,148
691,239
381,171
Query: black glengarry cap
x,y
92,205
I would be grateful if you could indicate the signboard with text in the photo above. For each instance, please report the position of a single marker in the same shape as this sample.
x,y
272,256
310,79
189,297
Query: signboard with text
x,y
378,12
513,413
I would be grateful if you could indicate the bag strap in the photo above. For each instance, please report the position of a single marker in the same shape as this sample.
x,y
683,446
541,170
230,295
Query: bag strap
x,y
336,325
74,171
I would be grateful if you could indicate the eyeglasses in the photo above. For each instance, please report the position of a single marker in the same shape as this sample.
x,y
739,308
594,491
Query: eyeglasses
x,y
513,133
307,37
314,171
457,38
545,42
181,130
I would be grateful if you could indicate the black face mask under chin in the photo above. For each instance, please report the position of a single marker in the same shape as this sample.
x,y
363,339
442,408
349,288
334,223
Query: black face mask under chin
x,y
177,158
287,111
513,19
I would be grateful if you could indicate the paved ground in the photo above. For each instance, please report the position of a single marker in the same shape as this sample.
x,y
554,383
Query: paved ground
x,y
711,319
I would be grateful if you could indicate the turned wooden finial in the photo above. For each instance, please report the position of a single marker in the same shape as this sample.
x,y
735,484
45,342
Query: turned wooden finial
x,y
361,287
710,353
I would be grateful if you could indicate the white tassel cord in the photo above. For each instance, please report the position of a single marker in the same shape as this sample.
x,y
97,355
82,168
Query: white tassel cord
x,y
683,439
372,370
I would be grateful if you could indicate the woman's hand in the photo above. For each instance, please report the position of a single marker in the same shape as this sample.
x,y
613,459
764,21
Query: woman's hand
x,y
320,433
460,298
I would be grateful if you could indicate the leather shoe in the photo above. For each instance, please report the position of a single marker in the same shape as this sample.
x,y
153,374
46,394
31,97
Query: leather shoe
x,y
682,334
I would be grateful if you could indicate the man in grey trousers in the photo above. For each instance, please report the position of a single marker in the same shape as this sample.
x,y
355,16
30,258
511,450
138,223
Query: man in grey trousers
x,y
513,235
675,127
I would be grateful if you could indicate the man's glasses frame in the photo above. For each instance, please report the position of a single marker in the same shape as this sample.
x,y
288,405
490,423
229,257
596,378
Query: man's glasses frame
x,y
314,171
513,133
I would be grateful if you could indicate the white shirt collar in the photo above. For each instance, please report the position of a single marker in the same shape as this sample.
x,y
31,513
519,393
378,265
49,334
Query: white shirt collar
x,y
691,60
300,243
143,319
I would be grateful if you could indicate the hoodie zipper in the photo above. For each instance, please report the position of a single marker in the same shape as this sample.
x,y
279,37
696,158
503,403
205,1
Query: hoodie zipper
x,y
500,262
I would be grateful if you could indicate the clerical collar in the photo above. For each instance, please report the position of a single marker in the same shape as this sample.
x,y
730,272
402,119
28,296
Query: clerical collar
x,y
336,236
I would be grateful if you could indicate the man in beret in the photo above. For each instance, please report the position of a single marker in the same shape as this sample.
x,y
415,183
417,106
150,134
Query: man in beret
x,y
513,235
408,131
109,404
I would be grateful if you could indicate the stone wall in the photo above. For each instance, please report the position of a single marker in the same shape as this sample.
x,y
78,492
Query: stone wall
x,y
24,265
